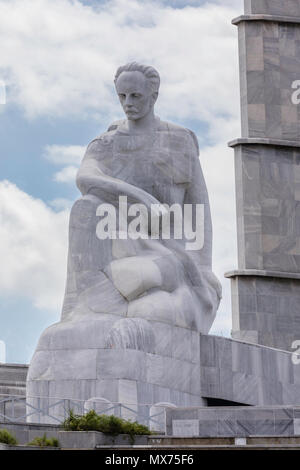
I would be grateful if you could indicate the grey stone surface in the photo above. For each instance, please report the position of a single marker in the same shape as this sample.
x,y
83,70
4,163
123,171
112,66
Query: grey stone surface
x,y
269,56
273,7
266,309
99,405
185,427
266,18
226,369
133,308
263,141
157,416
267,207
25,433
233,422
297,426
16,373
262,273
255,375
13,384
90,439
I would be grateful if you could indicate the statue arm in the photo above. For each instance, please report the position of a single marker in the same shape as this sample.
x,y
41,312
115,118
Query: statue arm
x,y
92,180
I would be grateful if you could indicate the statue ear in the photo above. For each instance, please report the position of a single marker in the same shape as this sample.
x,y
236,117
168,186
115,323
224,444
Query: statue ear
x,y
154,97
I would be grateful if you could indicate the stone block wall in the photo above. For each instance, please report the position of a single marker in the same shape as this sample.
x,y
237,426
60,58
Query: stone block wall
x,y
248,374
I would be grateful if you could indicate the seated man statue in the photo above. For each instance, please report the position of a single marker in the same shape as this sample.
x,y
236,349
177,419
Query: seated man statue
x,y
140,286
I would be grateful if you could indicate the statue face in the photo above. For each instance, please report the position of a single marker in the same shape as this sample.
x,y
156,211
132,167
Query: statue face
x,y
135,95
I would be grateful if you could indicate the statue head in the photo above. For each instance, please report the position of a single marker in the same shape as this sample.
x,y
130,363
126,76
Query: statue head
x,y
137,86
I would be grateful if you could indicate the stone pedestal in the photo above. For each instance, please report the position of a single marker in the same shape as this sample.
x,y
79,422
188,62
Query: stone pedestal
x,y
74,361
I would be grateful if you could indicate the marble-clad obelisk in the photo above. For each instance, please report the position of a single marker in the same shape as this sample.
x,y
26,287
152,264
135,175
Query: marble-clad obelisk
x,y
266,286
135,301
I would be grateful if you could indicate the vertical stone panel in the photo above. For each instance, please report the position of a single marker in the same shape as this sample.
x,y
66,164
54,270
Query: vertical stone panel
x,y
269,66
273,7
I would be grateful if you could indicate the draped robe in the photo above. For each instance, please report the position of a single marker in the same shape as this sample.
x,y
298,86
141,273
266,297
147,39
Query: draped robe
x,y
149,279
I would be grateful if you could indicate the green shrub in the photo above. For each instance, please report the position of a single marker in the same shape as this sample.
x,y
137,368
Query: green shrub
x,y
104,423
7,438
44,441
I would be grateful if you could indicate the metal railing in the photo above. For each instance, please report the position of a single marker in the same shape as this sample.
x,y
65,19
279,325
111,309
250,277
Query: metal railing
x,y
51,410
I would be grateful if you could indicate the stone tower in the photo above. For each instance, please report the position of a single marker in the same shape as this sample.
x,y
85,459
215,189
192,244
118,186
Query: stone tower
x,y
266,285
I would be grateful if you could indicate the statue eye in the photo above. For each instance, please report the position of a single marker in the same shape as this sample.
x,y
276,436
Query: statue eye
x,y
136,95
121,96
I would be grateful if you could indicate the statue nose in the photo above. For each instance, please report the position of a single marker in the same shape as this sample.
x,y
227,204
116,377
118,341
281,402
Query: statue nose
x,y
128,102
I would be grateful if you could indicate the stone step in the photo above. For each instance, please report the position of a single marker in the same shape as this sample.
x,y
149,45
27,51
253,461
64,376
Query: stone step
x,y
183,442
11,390
199,447
13,373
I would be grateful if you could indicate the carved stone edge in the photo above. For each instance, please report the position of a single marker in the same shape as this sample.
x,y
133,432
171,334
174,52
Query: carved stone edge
x,y
262,141
261,273
259,17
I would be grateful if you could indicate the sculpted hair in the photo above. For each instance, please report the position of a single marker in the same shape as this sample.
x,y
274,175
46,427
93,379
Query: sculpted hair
x,y
150,73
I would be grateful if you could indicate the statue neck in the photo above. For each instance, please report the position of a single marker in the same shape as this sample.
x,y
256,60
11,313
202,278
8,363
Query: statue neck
x,y
146,124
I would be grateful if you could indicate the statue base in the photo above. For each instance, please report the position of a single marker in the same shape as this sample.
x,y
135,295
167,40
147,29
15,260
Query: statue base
x,y
127,366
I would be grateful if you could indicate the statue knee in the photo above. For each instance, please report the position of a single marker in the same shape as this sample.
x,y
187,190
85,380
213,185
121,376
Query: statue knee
x,y
84,210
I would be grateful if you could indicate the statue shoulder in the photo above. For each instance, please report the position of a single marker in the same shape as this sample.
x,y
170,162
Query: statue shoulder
x,y
180,130
171,126
106,137
115,125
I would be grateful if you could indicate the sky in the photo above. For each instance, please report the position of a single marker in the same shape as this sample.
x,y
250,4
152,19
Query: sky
x,y
57,62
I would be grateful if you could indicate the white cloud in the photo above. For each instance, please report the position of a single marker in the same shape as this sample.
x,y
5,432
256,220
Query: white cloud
x,y
58,67
66,175
218,167
33,248
61,204
70,155
64,154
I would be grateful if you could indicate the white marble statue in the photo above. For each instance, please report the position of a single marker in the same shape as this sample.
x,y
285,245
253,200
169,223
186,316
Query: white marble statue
x,y
128,294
